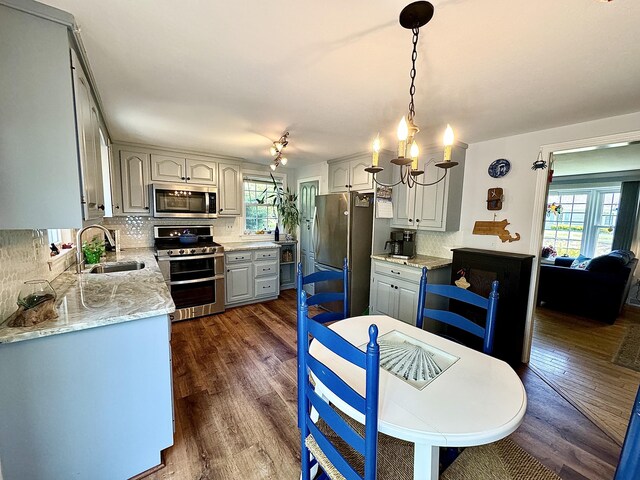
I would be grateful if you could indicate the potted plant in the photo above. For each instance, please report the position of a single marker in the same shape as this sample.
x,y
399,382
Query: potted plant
x,y
93,250
286,205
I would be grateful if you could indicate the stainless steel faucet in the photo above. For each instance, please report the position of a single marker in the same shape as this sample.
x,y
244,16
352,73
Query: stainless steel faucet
x,y
79,257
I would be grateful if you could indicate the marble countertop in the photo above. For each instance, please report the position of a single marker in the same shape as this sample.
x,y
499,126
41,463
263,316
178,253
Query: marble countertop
x,y
418,261
94,300
235,246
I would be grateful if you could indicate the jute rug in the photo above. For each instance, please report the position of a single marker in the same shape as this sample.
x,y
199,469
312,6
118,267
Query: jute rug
x,y
629,352
503,460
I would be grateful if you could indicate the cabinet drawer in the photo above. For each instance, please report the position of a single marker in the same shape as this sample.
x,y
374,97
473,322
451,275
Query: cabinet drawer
x,y
237,257
266,254
266,286
263,269
409,274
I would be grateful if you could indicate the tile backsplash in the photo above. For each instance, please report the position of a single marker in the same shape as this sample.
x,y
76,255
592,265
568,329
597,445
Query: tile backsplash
x,y
23,256
438,244
137,231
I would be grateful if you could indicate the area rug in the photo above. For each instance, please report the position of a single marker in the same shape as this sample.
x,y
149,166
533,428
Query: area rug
x,y
629,352
503,460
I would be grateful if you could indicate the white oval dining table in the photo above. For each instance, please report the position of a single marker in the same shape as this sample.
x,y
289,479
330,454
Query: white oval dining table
x,y
477,400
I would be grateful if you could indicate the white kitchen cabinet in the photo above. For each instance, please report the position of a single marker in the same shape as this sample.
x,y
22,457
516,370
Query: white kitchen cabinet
x,y
347,173
88,131
134,179
41,184
435,207
230,191
395,289
174,169
252,276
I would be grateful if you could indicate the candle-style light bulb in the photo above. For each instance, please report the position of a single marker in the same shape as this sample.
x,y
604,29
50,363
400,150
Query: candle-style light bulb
x,y
376,151
403,132
414,152
448,142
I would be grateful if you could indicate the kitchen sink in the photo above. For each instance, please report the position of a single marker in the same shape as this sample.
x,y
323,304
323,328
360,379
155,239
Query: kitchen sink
x,y
116,267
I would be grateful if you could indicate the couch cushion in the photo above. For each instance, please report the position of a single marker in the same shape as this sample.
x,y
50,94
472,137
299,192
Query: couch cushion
x,y
581,263
625,255
605,263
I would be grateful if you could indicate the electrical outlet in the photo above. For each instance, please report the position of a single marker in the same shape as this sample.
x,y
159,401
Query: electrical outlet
x,y
229,226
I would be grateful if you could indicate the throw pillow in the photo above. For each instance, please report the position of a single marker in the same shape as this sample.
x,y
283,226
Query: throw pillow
x,y
580,263
606,263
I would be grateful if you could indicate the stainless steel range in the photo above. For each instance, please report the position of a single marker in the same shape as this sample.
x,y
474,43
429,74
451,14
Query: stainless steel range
x,y
194,271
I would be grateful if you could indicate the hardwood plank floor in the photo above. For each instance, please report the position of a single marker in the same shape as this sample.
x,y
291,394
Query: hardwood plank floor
x,y
574,355
235,403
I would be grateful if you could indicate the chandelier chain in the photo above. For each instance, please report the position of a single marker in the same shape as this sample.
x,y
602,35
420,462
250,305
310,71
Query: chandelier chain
x,y
412,88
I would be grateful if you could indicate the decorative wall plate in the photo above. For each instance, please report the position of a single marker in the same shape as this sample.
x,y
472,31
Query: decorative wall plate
x,y
499,168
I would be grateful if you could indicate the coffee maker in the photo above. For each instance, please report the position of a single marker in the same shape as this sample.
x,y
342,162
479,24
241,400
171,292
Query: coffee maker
x,y
403,244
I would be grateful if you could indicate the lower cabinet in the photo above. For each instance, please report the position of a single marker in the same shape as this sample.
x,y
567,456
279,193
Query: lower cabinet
x,y
395,289
251,276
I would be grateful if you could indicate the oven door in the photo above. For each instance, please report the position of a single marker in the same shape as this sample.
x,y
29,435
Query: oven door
x,y
182,201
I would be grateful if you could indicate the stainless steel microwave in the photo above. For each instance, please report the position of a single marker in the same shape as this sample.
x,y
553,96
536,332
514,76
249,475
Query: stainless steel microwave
x,y
181,200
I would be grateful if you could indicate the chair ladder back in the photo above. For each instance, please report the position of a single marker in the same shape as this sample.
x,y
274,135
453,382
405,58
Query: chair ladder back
x,y
629,463
307,397
327,297
487,333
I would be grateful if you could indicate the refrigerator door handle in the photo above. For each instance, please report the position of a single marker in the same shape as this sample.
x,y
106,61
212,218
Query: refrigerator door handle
x,y
314,232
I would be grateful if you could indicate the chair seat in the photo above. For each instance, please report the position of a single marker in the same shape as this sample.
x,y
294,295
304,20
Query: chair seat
x,y
502,460
395,457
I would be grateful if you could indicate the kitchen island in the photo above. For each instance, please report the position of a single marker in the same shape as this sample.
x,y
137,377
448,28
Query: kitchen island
x,y
89,394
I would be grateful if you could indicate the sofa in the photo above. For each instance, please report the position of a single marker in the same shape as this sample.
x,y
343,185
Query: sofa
x,y
596,288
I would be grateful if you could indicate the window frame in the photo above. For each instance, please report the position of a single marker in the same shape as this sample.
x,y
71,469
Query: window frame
x,y
592,216
259,177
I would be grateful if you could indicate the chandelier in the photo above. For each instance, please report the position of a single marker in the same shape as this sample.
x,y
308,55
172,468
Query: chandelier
x,y
276,151
412,17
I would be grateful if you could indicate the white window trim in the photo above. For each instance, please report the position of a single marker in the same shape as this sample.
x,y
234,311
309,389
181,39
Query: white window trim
x,y
258,174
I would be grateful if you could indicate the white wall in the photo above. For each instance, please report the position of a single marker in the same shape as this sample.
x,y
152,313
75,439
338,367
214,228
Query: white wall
x,y
519,185
316,170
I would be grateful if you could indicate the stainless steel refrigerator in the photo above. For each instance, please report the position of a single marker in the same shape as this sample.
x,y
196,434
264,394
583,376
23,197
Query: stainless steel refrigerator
x,y
343,226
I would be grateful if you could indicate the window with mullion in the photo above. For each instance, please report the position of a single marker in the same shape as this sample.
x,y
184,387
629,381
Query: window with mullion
x,y
258,216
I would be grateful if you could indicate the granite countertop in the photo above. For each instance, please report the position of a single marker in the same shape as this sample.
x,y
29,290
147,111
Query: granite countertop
x,y
235,246
419,261
94,300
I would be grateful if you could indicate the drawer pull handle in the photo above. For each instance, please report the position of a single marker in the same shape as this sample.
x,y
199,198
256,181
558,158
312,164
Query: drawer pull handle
x,y
393,271
265,286
266,269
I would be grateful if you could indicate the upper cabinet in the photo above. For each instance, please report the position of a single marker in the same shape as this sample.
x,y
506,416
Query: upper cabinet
x,y
435,207
167,168
230,191
50,154
134,174
347,173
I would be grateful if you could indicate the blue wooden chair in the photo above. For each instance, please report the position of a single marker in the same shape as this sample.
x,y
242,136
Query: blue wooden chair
x,y
629,463
326,297
450,318
342,447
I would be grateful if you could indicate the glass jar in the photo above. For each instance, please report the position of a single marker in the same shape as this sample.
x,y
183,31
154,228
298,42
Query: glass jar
x,y
35,292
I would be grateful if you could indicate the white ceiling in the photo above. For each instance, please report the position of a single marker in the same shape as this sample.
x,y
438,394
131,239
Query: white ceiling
x,y
229,77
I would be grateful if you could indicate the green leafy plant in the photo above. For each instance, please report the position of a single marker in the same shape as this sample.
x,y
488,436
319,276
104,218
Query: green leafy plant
x,y
285,202
93,250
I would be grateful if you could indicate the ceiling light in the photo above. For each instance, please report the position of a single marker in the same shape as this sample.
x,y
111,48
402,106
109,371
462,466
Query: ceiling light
x,y
276,151
412,17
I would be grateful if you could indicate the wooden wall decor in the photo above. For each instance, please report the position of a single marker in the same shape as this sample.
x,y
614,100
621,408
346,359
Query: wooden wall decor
x,y
495,228
495,197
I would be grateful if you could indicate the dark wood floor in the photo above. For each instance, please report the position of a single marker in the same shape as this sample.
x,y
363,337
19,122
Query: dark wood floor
x,y
235,403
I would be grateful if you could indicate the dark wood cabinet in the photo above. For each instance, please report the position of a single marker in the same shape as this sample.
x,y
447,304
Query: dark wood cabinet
x,y
513,271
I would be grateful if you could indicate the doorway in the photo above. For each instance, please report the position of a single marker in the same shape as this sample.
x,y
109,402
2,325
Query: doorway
x,y
573,347
307,195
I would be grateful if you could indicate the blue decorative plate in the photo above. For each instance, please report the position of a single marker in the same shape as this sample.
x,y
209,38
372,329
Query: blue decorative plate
x,y
499,168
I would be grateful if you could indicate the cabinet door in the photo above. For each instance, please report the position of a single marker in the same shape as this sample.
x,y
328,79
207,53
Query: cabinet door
x,y
230,190
338,177
407,294
167,169
202,172
96,184
384,299
430,200
90,175
359,180
239,283
134,173
404,203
